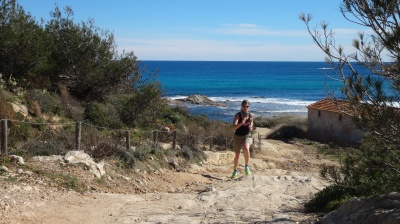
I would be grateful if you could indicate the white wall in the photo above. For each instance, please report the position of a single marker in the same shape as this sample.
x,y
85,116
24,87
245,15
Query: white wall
x,y
327,127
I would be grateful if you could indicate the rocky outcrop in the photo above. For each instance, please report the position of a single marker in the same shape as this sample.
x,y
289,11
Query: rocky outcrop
x,y
202,100
377,209
76,157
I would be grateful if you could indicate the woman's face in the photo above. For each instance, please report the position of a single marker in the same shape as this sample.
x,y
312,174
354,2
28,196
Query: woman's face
x,y
245,107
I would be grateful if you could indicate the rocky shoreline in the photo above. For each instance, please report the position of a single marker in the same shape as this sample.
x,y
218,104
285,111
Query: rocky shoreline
x,y
202,100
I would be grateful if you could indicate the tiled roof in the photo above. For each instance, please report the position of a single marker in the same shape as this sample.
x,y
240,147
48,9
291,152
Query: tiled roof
x,y
327,104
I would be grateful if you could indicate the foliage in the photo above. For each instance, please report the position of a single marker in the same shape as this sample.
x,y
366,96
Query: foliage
x,y
48,103
284,126
127,159
103,115
372,169
22,42
329,198
64,180
85,58
80,56
192,155
287,132
373,92
45,148
272,122
5,160
6,111
143,107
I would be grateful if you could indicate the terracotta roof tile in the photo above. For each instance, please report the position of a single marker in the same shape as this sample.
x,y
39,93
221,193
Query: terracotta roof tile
x,y
327,104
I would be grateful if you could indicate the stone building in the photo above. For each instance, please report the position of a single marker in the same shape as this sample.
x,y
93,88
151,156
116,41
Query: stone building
x,y
327,123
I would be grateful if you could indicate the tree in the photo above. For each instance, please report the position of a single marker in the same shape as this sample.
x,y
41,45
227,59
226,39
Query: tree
x,y
60,52
373,95
21,42
85,58
144,107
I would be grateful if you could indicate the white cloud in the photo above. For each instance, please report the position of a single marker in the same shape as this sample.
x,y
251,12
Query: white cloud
x,y
298,45
179,49
244,25
255,30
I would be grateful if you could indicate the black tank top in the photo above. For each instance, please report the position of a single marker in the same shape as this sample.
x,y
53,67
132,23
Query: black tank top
x,y
244,129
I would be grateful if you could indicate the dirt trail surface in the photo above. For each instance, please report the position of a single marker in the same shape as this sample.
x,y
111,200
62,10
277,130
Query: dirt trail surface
x,y
284,177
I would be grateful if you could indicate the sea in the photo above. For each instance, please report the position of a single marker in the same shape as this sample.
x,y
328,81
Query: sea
x,y
273,88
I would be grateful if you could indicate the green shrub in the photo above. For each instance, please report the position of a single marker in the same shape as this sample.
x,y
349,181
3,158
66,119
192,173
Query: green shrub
x,y
45,101
144,108
6,111
272,122
288,132
330,198
73,183
5,160
191,155
44,148
127,159
103,115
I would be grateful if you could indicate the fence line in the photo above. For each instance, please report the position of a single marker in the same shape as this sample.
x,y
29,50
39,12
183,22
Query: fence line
x,y
156,136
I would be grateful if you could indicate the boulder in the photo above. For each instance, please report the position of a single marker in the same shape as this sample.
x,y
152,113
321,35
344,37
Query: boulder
x,y
17,159
202,100
376,209
80,157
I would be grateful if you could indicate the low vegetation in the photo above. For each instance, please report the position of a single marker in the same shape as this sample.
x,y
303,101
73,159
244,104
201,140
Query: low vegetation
x,y
371,86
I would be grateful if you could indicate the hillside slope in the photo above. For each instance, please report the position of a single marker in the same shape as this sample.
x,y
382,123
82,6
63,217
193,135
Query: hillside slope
x,y
284,177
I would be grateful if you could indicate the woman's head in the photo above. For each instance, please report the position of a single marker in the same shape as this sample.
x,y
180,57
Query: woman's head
x,y
245,106
245,103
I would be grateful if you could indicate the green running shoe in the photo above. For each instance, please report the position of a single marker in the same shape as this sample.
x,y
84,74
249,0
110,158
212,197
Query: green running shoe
x,y
247,170
234,174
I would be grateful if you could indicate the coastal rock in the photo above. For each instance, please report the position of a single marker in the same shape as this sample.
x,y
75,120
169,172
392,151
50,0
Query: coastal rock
x,y
202,100
377,209
80,157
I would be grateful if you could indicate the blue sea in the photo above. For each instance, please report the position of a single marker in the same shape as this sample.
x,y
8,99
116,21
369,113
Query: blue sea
x,y
272,88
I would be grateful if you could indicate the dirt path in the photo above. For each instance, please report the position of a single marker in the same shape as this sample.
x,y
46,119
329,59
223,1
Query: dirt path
x,y
284,177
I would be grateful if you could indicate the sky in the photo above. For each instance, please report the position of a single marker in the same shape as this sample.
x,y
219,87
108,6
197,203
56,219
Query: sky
x,y
209,30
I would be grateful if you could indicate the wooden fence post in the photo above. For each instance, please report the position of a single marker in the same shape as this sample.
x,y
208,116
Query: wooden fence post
x,y
174,141
226,144
211,143
4,135
155,136
128,140
78,129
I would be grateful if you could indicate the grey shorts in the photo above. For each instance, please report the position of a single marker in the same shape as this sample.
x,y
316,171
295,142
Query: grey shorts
x,y
239,141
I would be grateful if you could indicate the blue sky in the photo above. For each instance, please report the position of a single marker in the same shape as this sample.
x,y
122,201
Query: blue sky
x,y
209,30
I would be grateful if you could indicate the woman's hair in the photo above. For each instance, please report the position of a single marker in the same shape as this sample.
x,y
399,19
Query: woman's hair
x,y
244,102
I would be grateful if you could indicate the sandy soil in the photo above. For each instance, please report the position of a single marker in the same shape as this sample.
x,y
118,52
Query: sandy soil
x,y
284,177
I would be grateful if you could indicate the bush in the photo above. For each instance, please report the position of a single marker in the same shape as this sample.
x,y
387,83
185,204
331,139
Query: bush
x,y
6,111
127,158
191,155
43,148
330,198
42,101
103,115
288,132
272,122
144,108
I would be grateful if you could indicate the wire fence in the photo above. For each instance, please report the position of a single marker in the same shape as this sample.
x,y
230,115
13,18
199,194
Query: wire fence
x,y
56,138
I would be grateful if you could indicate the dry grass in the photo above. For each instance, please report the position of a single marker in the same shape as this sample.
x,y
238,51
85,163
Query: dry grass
x,y
6,111
35,108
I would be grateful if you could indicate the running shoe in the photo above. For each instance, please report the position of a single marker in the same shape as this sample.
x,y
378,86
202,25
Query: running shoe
x,y
247,170
234,174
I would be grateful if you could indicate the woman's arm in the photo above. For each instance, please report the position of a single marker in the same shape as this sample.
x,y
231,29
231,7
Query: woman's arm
x,y
236,123
251,122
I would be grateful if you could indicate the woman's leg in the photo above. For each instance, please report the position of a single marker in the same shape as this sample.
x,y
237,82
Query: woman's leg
x,y
246,151
236,160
